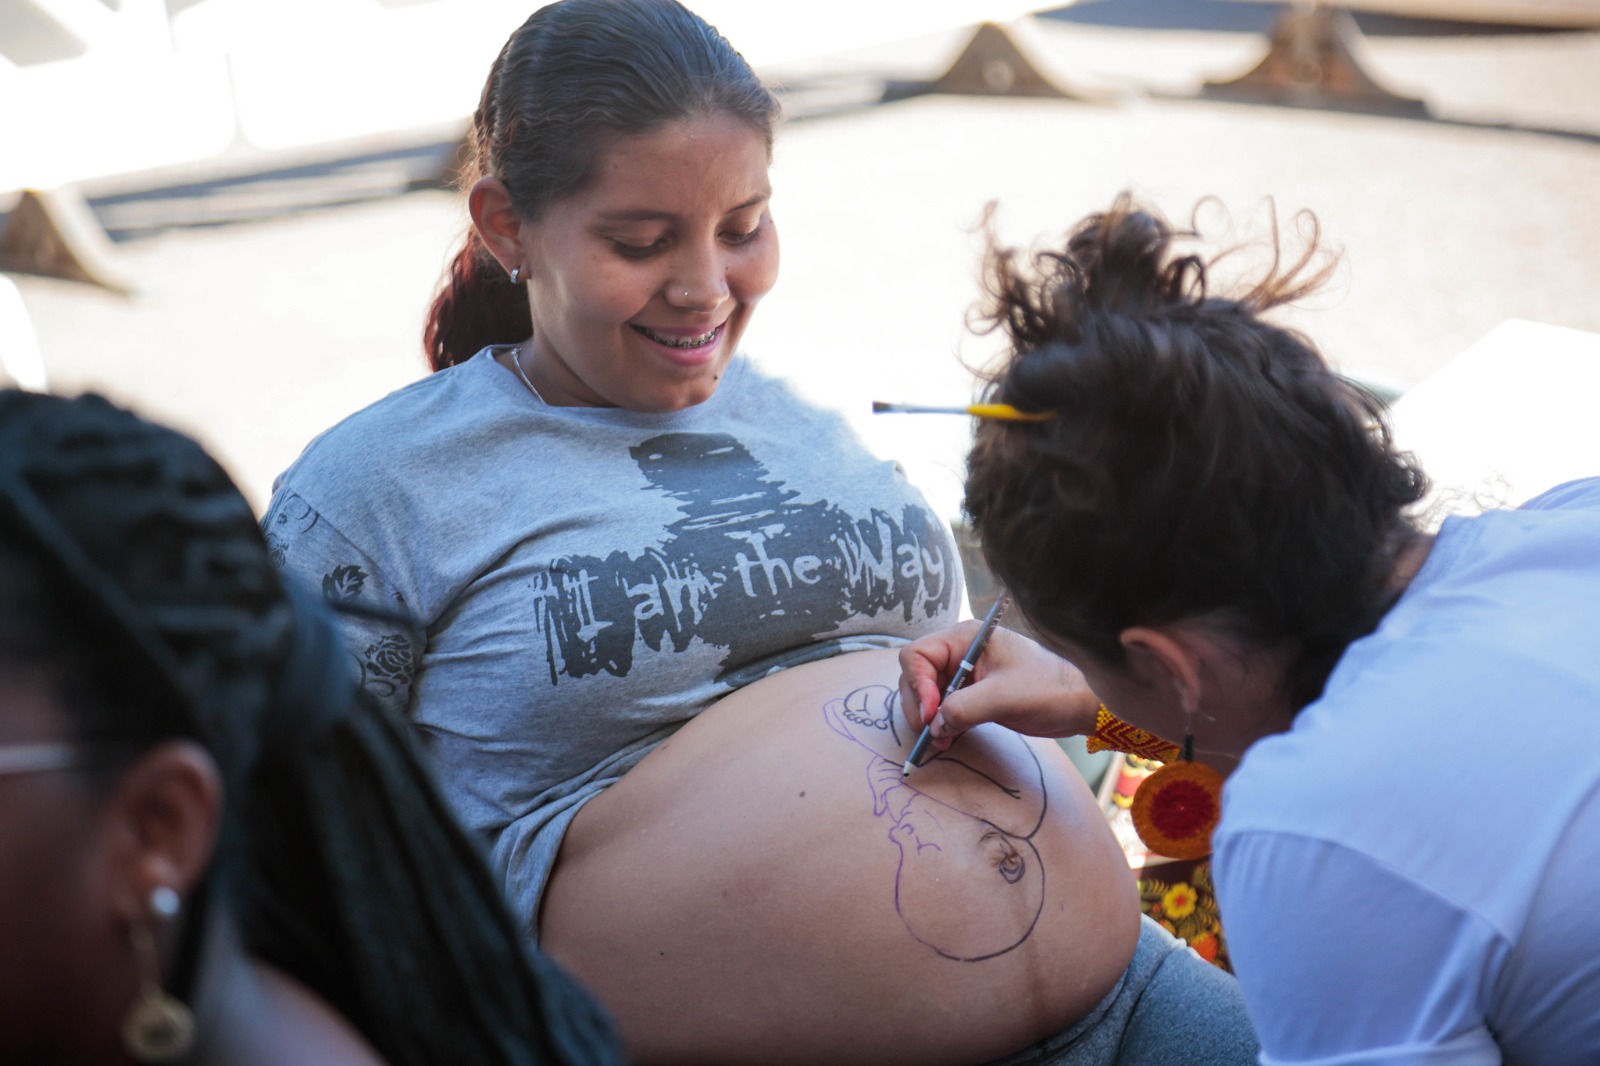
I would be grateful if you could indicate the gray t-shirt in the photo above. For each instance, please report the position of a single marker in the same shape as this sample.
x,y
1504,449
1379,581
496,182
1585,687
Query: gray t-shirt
x,y
579,582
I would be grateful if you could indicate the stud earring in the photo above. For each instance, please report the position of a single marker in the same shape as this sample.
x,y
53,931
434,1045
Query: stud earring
x,y
158,1027
516,275
1176,808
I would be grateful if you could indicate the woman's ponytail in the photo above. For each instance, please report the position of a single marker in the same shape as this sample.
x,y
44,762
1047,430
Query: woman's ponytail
x,y
476,305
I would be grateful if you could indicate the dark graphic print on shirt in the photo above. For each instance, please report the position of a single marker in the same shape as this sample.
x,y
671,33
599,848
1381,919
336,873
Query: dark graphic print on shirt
x,y
747,568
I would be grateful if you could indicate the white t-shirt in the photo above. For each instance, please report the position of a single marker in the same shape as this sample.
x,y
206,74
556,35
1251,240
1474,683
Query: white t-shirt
x,y
1409,875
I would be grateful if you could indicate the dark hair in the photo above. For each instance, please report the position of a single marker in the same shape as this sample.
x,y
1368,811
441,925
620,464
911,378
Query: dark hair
x,y
1202,463
577,75
135,580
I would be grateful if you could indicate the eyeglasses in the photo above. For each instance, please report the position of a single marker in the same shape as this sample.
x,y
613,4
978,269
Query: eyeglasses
x,y
37,758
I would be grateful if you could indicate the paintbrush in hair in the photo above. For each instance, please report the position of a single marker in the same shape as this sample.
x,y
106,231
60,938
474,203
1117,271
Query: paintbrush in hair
x,y
1000,412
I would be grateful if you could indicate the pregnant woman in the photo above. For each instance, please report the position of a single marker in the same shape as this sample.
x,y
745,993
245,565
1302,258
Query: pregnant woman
x,y
647,602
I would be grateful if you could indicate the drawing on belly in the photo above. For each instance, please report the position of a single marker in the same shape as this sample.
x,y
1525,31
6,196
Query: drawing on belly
x,y
747,568
970,883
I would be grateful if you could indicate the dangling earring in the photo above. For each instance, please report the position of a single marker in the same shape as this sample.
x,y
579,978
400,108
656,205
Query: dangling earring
x,y
158,1028
1178,806
516,275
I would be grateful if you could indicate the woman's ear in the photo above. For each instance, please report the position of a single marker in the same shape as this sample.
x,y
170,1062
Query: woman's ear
x,y
1164,655
162,823
496,220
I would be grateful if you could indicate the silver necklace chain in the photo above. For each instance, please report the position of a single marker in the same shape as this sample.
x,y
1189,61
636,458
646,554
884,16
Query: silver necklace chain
x,y
516,364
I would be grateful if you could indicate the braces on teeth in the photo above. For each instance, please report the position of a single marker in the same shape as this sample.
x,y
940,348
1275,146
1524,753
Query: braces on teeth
x,y
687,342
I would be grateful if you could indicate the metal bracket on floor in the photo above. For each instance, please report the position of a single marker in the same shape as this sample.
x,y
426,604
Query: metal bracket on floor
x,y
54,234
1312,62
991,64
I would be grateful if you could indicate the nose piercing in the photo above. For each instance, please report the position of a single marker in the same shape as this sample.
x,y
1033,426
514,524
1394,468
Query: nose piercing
x,y
686,293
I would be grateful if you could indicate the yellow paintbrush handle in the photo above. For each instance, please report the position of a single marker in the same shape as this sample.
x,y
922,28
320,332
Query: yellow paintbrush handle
x,y
1004,412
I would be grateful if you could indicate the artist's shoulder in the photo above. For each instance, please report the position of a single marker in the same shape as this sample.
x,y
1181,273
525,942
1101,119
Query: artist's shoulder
x,y
1580,495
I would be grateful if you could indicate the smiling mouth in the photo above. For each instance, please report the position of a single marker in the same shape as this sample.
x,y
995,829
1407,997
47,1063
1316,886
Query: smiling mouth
x,y
699,341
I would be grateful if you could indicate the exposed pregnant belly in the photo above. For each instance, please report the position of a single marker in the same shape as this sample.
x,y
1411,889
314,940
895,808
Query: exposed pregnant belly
x,y
764,887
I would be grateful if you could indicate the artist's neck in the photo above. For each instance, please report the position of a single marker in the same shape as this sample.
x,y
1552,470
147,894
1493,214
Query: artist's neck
x,y
1410,561
1273,710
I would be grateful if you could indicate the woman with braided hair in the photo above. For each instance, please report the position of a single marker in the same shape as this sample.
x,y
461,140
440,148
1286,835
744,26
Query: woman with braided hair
x,y
213,849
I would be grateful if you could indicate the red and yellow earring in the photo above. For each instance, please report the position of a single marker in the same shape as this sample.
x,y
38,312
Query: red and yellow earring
x,y
1176,808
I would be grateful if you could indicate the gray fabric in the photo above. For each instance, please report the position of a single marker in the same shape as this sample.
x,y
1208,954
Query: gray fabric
x,y
1169,1008
584,581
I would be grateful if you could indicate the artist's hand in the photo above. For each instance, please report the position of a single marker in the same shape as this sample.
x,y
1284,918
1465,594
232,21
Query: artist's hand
x,y
1017,683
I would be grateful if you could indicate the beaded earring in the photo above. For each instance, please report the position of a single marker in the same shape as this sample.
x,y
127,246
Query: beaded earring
x,y
1177,807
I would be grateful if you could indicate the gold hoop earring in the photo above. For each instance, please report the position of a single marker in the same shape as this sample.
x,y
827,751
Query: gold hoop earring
x,y
158,1027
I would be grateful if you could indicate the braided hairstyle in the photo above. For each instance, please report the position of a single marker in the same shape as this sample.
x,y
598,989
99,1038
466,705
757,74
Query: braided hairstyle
x,y
1202,462
571,80
133,573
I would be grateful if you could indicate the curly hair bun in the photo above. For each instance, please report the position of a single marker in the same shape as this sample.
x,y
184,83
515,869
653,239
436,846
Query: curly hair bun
x,y
1203,460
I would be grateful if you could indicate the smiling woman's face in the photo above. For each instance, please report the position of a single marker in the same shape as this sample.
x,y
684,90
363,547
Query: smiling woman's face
x,y
642,284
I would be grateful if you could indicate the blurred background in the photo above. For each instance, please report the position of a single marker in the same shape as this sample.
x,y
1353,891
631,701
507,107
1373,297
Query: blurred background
x,y
239,208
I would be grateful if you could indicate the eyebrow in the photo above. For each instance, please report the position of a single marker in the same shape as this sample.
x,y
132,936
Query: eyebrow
x,y
648,215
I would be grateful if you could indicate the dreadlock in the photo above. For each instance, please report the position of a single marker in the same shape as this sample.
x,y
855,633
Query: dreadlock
x,y
133,569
